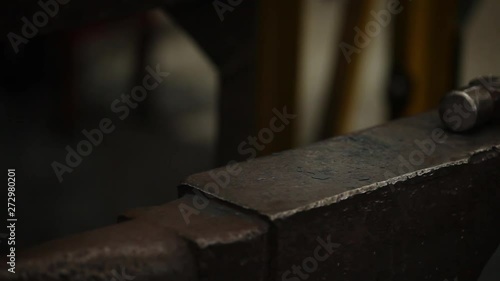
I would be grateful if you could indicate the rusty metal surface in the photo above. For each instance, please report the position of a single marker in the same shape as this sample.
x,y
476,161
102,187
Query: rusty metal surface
x,y
134,249
342,209
435,219
157,243
281,185
440,226
224,237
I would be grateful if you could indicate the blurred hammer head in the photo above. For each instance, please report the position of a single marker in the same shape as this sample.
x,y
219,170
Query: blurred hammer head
x,y
471,106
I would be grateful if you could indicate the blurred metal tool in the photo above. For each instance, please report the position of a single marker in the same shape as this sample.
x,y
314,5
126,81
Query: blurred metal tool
x,y
471,106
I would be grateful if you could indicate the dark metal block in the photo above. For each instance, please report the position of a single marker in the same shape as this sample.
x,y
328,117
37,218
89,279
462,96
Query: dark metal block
x,y
133,250
402,201
229,244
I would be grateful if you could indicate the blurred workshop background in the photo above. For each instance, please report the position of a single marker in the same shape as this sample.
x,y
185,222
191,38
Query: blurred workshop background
x,y
229,67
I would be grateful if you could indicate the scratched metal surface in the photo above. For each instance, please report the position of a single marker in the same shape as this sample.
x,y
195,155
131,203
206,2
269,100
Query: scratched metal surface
x,y
436,220
281,185
133,250
224,237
